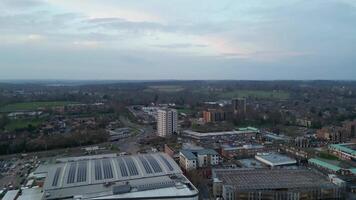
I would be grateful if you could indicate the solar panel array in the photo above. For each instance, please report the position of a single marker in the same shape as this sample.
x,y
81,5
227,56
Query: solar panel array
x,y
97,169
131,166
82,171
104,169
154,164
166,162
56,176
108,173
145,165
122,167
72,172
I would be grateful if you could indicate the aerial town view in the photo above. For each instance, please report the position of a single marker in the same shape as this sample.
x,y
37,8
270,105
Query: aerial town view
x,y
180,100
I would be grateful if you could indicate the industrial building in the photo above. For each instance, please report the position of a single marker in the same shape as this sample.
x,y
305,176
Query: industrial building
x,y
167,122
142,176
258,184
275,159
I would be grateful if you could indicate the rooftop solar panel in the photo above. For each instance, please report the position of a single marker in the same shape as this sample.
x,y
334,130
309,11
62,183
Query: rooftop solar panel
x,y
56,176
156,167
97,169
122,167
108,173
145,165
72,172
166,162
131,166
82,171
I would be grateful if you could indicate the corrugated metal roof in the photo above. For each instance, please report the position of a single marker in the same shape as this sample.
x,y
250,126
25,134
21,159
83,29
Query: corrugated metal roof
x,y
344,148
324,164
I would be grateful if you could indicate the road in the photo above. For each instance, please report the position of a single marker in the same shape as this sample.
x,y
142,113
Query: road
x,y
130,145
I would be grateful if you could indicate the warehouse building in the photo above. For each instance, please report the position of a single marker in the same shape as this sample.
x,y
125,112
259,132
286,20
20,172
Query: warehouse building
x,y
261,184
142,176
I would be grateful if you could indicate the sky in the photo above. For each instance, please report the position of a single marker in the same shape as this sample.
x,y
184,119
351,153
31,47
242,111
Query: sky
x,y
178,39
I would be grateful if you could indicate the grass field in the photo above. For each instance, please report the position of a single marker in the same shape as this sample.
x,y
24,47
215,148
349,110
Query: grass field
x,y
31,106
166,88
22,123
327,156
262,94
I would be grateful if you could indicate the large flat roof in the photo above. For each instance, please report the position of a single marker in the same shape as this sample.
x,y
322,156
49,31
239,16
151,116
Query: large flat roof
x,y
221,133
347,148
256,179
275,159
93,175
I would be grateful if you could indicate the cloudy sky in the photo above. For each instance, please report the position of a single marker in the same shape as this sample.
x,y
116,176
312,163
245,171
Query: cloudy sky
x,y
178,39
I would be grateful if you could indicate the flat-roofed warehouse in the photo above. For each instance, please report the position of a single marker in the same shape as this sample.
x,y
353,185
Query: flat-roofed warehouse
x,y
142,176
275,159
273,184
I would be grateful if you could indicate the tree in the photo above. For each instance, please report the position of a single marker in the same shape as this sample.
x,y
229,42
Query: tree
x,y
4,120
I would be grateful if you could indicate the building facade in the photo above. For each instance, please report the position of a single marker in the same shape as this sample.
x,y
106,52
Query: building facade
x,y
167,122
192,159
239,106
332,134
214,115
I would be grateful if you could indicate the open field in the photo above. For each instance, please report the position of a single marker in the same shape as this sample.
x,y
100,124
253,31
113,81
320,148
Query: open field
x,y
22,123
261,94
166,88
32,106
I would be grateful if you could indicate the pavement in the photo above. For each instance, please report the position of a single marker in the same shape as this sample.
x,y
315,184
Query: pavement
x,y
130,145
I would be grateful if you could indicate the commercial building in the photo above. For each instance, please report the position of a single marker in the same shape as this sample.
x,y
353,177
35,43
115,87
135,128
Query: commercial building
x,y
142,176
258,184
243,151
248,132
190,159
275,159
167,122
344,151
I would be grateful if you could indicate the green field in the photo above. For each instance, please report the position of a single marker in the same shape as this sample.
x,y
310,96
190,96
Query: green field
x,y
32,106
261,94
166,88
22,123
327,156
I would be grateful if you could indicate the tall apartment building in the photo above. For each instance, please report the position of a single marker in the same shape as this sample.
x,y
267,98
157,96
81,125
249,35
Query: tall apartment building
x,y
167,122
239,106
332,134
214,115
